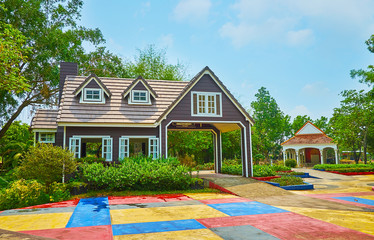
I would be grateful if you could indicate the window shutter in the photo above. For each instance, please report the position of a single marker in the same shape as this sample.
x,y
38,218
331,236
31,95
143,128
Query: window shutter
x,y
218,104
194,102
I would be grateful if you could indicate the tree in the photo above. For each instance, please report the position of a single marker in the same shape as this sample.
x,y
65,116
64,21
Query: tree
x,y
272,125
47,164
323,124
366,76
351,123
12,53
151,63
53,35
298,122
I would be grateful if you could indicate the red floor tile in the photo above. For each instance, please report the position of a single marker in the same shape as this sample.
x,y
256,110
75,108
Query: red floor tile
x,y
69,203
148,199
79,233
225,200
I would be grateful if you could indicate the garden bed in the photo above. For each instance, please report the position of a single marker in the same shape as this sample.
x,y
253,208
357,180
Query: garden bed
x,y
306,186
351,173
265,178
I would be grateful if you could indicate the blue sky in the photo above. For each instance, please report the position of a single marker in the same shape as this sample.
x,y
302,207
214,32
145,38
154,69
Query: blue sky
x,y
301,51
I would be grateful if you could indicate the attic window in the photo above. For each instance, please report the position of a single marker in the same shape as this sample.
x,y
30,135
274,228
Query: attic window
x,y
206,104
91,95
139,96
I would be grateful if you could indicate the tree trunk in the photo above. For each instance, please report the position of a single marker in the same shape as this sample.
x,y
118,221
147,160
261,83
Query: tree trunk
x,y
12,118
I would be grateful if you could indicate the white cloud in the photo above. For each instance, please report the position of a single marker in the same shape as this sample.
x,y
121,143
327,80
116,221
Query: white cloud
x,y
299,110
166,40
294,22
145,8
301,37
192,10
315,89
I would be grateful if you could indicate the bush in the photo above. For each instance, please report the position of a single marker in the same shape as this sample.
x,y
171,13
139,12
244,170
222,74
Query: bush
x,y
289,173
263,171
90,160
205,166
22,193
347,161
138,174
288,180
58,192
235,169
291,163
47,164
336,167
280,168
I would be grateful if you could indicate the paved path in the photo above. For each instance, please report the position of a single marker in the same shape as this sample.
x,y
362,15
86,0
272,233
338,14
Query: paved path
x,y
257,211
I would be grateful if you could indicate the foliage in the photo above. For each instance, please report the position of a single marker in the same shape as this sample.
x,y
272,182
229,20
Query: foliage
x,y
14,144
231,146
151,63
231,167
12,53
288,180
290,173
90,160
140,174
366,76
47,164
345,167
258,157
352,122
51,31
263,171
272,126
291,163
22,193
298,122
278,167
205,166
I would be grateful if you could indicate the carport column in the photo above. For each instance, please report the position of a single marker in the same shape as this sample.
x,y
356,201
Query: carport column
x,y
217,142
297,157
336,156
321,153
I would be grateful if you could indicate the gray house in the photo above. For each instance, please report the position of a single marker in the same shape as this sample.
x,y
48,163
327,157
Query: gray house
x,y
117,112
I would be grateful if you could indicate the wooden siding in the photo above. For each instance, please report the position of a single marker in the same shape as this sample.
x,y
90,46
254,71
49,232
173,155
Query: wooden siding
x,y
114,132
140,86
93,84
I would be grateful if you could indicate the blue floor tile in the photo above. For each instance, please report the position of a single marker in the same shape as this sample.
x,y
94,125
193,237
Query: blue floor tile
x,y
357,200
245,208
150,227
90,212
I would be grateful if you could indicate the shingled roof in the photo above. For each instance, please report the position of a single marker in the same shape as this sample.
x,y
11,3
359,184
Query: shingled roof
x,y
114,111
44,119
308,139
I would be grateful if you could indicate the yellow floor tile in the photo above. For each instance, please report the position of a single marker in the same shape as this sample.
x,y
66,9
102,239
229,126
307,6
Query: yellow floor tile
x,y
34,221
367,197
359,221
122,216
204,196
200,234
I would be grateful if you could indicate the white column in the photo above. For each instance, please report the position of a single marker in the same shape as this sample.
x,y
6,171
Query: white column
x,y
321,153
297,157
284,157
336,156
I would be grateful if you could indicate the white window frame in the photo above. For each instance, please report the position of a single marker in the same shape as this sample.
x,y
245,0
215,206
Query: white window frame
x,y
206,104
133,101
84,96
47,141
124,147
105,153
75,146
153,147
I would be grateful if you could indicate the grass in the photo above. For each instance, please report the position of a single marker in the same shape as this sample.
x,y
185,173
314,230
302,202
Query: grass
x,y
100,193
288,181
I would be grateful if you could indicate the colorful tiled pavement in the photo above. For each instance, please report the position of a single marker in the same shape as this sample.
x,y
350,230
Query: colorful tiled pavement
x,y
188,216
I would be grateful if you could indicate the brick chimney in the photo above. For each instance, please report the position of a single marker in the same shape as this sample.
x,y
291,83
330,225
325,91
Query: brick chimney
x,y
66,68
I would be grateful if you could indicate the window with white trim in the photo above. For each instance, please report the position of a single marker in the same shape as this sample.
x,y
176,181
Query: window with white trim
x,y
75,146
206,104
153,147
123,147
93,95
139,96
47,137
107,149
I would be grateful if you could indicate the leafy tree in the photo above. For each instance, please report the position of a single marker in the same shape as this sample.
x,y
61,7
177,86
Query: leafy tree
x,y
151,63
298,122
231,147
272,125
351,123
12,54
323,124
53,35
47,164
366,76
15,143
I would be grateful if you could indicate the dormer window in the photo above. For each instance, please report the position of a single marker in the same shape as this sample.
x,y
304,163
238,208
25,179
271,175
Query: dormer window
x,y
140,97
92,95
206,104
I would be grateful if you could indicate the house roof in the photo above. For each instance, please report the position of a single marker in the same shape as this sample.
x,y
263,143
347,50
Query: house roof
x,y
308,134
89,79
44,119
114,111
134,83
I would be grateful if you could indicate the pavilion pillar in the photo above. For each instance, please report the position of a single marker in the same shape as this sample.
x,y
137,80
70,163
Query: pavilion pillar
x,y
336,156
321,153
284,157
297,157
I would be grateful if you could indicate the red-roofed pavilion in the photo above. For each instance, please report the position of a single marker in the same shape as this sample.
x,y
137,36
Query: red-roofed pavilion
x,y
309,146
